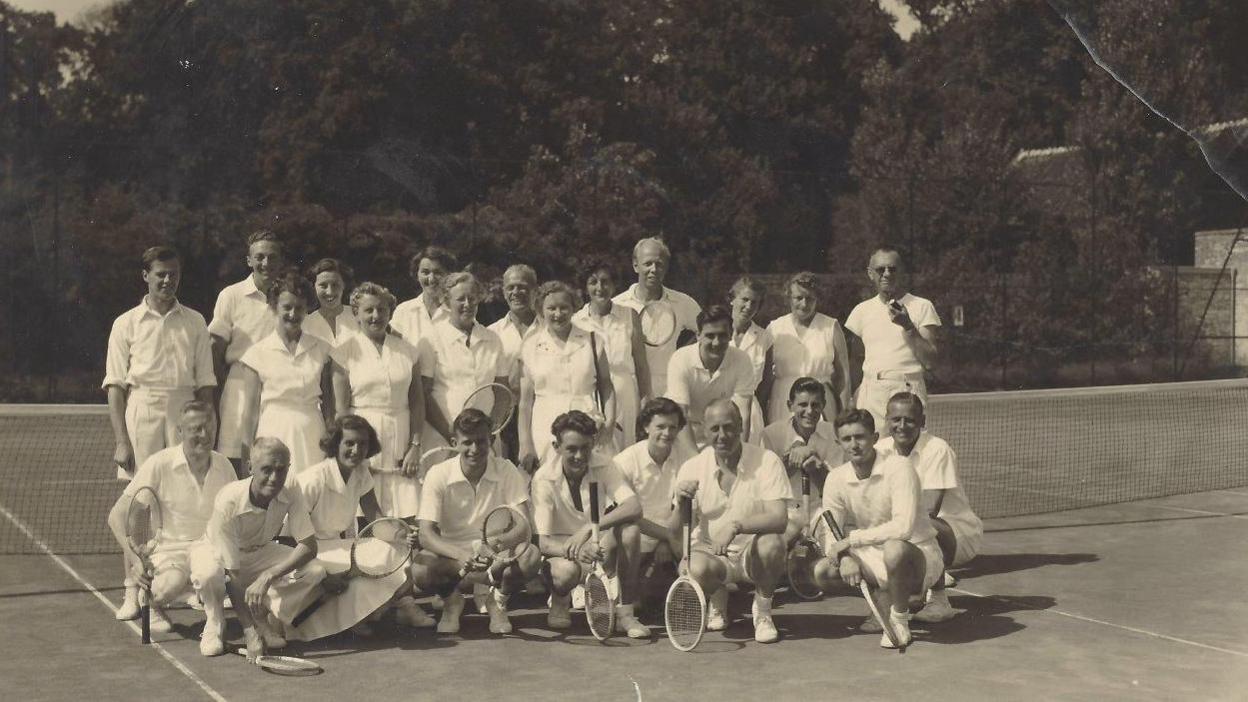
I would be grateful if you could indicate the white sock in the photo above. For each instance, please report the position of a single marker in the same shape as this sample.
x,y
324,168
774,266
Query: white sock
x,y
762,604
624,610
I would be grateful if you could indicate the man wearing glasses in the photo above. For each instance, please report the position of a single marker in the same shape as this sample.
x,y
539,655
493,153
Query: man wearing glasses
x,y
898,333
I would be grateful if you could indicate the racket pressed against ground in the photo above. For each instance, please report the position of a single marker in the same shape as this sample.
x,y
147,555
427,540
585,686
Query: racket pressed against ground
x,y
799,565
863,586
684,610
599,605
143,525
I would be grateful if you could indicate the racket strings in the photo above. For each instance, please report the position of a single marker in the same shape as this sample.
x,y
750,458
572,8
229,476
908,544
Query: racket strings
x,y
599,609
684,614
380,550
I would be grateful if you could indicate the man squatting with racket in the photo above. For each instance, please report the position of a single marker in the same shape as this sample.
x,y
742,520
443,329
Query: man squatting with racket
x,y
269,583
893,540
455,500
740,494
561,506
186,479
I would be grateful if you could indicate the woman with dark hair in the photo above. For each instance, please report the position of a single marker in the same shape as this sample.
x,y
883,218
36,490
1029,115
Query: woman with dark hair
x,y
330,279
287,391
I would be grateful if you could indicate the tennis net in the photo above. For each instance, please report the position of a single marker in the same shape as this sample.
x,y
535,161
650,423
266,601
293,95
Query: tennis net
x,y
1022,452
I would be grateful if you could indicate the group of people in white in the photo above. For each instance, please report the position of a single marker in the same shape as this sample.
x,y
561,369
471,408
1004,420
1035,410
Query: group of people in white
x,y
302,407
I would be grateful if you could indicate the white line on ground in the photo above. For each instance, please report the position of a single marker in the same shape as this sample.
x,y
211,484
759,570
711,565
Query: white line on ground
x,y
173,660
1199,511
1080,617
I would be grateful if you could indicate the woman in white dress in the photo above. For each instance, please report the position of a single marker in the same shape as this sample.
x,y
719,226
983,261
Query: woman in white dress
x,y
458,355
745,298
807,343
620,331
332,321
285,376
561,368
376,376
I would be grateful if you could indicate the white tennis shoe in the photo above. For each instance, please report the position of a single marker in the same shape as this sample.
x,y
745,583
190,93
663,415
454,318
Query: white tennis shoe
x,y
626,622
496,607
408,613
937,609
717,610
900,624
160,624
129,608
560,614
452,607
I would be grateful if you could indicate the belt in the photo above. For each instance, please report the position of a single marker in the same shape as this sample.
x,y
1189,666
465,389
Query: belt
x,y
899,375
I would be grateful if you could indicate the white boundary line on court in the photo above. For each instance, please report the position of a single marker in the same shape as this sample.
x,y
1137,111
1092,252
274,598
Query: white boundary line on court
x,y
1199,511
173,660
1082,618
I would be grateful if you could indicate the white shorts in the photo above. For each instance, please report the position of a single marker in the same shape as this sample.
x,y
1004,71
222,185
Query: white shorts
x,y
874,392
737,562
152,421
872,559
969,542
230,410
289,593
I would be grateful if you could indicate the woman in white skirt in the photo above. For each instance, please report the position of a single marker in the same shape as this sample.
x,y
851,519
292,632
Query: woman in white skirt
x,y
807,343
332,321
458,355
333,490
620,331
560,371
745,298
285,377
376,376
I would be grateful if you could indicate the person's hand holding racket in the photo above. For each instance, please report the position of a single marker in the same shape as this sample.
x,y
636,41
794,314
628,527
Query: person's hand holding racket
x,y
254,643
599,604
684,610
806,552
144,521
851,574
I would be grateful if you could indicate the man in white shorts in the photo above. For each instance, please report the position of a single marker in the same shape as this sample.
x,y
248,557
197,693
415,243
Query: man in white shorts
x,y
893,539
269,583
649,467
427,268
457,495
519,284
740,495
898,333
561,511
651,258
712,369
959,532
807,444
186,479
242,317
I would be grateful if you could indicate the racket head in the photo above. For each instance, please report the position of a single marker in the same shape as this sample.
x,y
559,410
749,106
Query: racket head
x,y
506,532
381,548
286,665
497,401
684,613
599,607
144,521
658,323
433,457
800,568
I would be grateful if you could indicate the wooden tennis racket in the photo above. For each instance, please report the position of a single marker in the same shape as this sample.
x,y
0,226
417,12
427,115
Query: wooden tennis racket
x,y
599,605
684,610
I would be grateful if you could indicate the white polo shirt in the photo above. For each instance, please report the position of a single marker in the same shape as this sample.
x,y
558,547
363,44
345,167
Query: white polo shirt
x,y
760,478
331,502
379,379
690,383
149,350
345,325
781,437
241,317
291,378
554,513
686,310
886,505
884,343
458,508
459,363
508,331
185,505
654,483
412,319
237,526
937,467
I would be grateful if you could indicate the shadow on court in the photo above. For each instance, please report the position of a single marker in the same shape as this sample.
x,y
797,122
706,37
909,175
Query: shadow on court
x,y
997,563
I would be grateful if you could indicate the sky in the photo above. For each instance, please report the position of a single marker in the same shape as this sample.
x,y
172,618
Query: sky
x,y
68,10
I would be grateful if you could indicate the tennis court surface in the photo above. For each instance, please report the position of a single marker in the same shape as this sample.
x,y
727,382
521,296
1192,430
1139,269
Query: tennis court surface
x,y
1133,591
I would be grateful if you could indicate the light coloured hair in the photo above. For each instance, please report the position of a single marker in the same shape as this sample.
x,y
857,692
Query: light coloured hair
x,y
745,282
667,253
268,446
375,290
552,287
461,277
523,271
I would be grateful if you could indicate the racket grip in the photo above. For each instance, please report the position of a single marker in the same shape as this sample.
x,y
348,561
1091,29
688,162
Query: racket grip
x,y
686,510
832,525
805,482
593,502
145,623
308,611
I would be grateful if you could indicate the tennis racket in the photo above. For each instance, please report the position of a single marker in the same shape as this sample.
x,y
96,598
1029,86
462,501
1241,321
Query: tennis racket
x,y
497,401
862,585
658,323
286,665
143,525
599,605
381,548
433,457
505,532
684,610
805,553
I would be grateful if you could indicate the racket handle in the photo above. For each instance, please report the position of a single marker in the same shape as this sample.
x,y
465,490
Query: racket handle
x,y
593,502
145,624
308,611
805,483
686,510
832,525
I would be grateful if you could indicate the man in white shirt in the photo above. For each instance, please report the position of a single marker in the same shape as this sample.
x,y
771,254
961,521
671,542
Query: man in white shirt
x,y
240,318
186,479
651,258
898,334
520,322
807,444
740,495
561,511
713,369
959,532
427,268
893,545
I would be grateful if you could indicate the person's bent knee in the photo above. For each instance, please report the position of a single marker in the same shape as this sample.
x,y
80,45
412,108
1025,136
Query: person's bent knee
x,y
167,586
827,573
564,575
896,551
770,547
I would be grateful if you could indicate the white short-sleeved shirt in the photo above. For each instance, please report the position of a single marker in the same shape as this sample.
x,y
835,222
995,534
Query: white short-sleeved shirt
x,y
686,310
654,483
345,325
512,338
780,437
810,353
149,350
379,378
237,526
412,319
458,508
937,467
691,384
560,368
760,478
886,505
332,503
615,330
459,363
554,513
755,342
883,342
185,505
288,378
241,317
